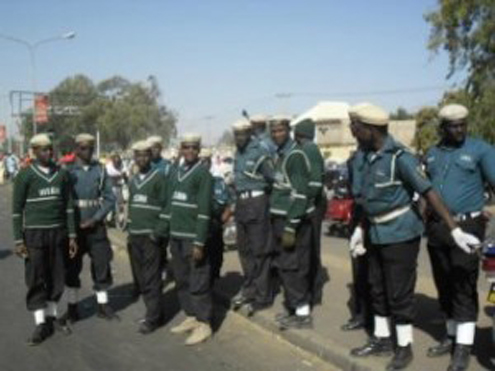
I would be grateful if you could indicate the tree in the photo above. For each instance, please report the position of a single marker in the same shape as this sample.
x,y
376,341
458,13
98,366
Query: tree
x,y
465,29
426,129
401,114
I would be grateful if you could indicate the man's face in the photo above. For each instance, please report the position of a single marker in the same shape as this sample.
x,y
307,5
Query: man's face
x,y
206,162
454,131
258,126
280,133
242,138
156,151
190,152
142,159
364,134
85,151
43,154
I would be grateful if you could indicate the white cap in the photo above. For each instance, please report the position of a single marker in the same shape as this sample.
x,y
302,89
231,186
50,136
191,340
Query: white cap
x,y
191,138
241,125
141,145
40,140
205,152
371,115
352,109
84,138
453,112
259,118
155,139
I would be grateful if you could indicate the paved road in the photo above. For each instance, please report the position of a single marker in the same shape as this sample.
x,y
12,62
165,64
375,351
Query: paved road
x,y
98,345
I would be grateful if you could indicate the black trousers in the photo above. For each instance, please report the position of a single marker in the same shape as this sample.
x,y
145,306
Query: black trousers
x,y
255,248
392,276
361,301
192,280
164,259
44,267
145,256
215,247
317,277
95,243
293,265
455,272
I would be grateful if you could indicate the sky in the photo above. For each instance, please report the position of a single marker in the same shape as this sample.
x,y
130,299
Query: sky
x,y
214,58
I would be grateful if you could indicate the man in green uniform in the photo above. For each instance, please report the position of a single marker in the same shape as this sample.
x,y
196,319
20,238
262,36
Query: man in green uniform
x,y
253,176
148,196
188,213
391,176
459,168
93,200
304,134
44,228
291,226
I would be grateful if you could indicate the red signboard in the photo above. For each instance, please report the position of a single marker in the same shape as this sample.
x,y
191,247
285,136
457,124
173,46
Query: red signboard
x,y
41,104
3,133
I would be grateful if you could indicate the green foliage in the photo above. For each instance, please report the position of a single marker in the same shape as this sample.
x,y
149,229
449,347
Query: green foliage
x,y
426,129
401,114
121,110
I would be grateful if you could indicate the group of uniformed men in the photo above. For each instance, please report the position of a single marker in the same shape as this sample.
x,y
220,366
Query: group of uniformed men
x,y
278,180
389,220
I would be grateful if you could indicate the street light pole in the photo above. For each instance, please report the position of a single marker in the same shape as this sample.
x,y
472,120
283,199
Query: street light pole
x,y
32,47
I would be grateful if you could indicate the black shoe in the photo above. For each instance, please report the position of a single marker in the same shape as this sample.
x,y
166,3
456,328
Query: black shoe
x,y
403,356
72,314
147,327
105,311
375,346
238,301
250,309
353,324
446,346
59,325
460,358
284,315
40,334
296,322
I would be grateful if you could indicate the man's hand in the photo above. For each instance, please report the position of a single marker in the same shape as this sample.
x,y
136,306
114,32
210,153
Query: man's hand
x,y
73,248
288,240
356,243
21,250
198,254
88,224
466,242
226,215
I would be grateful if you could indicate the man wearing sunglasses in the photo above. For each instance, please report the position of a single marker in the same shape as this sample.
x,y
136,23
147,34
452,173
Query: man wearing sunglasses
x,y
93,200
44,231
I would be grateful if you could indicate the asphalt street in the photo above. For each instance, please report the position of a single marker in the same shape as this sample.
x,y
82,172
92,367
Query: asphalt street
x,y
110,346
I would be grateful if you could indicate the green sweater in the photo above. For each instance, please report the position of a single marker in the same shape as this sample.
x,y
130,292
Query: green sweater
x,y
42,201
290,194
189,204
317,172
148,196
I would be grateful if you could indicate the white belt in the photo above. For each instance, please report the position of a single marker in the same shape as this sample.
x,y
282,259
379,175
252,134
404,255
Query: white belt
x,y
394,214
463,217
87,203
250,194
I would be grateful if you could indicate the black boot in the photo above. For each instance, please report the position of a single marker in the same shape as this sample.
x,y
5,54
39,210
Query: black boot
x,y
442,348
376,347
59,325
403,356
40,334
105,311
296,322
283,315
147,327
353,324
238,301
460,358
72,314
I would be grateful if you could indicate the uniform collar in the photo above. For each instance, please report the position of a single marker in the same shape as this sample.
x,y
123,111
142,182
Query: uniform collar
x,y
441,145
79,164
286,147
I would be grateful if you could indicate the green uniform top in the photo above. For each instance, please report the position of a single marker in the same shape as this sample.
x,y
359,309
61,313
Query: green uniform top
x,y
148,197
189,203
390,177
317,172
290,195
42,200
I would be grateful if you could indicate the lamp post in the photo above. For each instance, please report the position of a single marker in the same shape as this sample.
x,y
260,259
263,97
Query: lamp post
x,y
32,47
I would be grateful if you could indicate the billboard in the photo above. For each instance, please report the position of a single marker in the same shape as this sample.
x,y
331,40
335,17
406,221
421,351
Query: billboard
x,y
41,104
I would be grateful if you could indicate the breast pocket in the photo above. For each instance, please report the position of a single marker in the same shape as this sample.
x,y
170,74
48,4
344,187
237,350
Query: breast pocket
x,y
467,167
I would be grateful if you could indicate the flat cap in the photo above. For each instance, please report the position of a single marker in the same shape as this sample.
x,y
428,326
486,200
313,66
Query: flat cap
x,y
191,138
305,127
371,115
205,152
259,118
40,140
241,125
85,138
453,112
280,119
155,139
142,145
352,109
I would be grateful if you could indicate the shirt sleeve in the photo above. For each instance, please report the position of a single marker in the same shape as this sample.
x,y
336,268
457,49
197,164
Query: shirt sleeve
x,y
487,163
19,201
411,172
298,172
162,227
69,205
205,195
106,193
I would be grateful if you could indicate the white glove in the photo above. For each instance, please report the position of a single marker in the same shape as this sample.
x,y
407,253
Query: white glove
x,y
467,242
356,243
